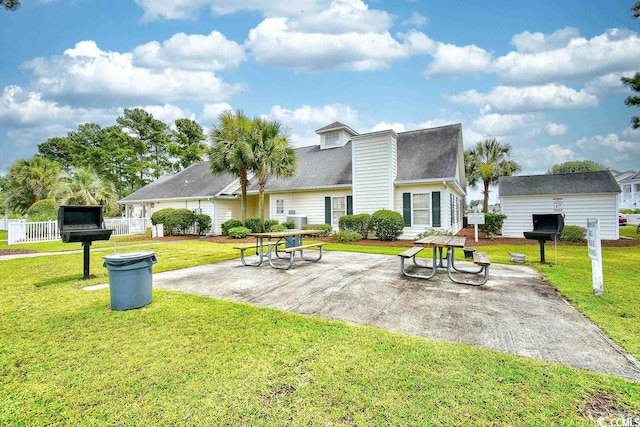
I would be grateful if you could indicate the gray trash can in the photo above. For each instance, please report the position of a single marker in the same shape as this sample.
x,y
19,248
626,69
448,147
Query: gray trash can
x,y
130,278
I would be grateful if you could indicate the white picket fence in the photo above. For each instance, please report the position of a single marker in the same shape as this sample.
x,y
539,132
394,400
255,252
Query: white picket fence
x,y
20,231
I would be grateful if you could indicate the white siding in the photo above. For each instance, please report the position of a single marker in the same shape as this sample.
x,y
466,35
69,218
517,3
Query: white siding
x,y
374,167
225,210
576,208
445,209
309,204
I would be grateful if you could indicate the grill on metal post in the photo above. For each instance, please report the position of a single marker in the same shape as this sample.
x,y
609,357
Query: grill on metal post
x,y
545,227
82,224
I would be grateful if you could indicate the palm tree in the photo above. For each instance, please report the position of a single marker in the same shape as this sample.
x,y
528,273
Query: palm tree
x,y
272,156
30,180
230,150
85,187
487,162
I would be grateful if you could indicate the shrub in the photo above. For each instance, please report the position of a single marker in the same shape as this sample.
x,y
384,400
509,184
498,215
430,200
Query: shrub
x,y
254,224
184,219
492,224
387,224
573,234
289,224
239,232
626,211
204,223
347,236
432,232
229,224
164,217
43,210
270,223
278,228
325,227
360,223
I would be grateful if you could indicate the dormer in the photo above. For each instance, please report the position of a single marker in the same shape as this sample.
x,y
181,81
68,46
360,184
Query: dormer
x,y
335,135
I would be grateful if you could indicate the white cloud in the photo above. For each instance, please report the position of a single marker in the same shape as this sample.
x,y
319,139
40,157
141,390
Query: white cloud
x,y
526,99
168,113
555,129
546,157
416,19
274,43
89,73
211,52
317,116
210,112
608,84
380,126
571,58
527,42
500,125
452,61
610,141
341,17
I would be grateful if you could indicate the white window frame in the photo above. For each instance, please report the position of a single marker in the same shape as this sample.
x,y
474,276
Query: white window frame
x,y
335,210
626,191
280,206
414,209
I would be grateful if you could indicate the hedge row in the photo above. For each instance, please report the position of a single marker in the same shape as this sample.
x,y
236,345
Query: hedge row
x,y
180,221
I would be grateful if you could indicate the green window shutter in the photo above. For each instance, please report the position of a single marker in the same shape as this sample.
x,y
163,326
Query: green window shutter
x,y
349,205
406,208
327,210
435,205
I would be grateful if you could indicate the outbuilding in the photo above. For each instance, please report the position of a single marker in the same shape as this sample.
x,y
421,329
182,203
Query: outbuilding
x,y
577,196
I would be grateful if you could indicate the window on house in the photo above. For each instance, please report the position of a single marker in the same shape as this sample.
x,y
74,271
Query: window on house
x,y
338,208
626,191
279,206
421,208
637,188
331,139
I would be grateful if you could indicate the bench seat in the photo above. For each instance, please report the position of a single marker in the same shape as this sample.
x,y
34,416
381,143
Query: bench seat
x,y
410,253
292,252
481,258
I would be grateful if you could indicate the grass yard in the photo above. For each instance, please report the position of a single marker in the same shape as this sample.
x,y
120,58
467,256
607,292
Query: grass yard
x,y
67,359
629,231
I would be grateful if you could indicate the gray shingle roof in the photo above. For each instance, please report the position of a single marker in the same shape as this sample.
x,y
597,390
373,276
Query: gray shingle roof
x,y
428,153
194,182
566,183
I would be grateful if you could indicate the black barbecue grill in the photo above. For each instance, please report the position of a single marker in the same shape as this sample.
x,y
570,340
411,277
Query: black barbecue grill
x,y
82,224
545,227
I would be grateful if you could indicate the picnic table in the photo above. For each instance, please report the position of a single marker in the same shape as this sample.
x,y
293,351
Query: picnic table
x,y
269,243
439,244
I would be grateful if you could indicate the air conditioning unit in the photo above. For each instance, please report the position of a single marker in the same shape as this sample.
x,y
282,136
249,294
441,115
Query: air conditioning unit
x,y
298,220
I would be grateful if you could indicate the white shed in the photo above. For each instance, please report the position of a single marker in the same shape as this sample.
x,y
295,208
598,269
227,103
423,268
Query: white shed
x,y
576,195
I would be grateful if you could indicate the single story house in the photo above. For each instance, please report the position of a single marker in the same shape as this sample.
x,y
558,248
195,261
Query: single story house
x,y
629,182
419,174
576,195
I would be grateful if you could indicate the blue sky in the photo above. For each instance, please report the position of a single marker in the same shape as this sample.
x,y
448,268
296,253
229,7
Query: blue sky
x,y
543,76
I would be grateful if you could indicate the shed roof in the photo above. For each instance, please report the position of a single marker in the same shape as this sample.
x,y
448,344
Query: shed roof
x,y
193,182
566,183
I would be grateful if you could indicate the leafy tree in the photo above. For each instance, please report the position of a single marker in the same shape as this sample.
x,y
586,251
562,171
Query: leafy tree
x,y
153,137
230,150
84,187
486,163
10,4
577,166
187,144
28,181
272,155
633,82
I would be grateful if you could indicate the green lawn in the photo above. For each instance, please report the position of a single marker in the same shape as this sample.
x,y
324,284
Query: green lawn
x,y
67,359
629,231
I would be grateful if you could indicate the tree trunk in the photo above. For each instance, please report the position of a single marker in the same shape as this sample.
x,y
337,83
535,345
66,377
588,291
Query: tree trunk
x,y
485,205
244,182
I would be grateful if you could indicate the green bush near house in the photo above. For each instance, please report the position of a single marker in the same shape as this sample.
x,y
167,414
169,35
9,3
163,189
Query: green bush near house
x,y
387,224
43,210
492,224
183,219
278,228
289,224
203,223
239,232
269,223
347,236
360,223
229,224
573,234
325,227
164,217
254,224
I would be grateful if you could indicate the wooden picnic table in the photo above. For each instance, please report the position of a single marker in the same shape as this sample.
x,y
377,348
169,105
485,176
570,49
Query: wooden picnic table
x,y
293,239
